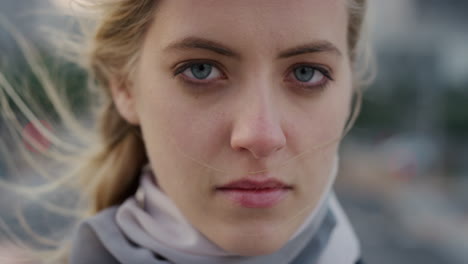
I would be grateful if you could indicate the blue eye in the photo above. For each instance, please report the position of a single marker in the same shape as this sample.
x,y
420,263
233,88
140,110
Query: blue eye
x,y
201,71
304,73
309,75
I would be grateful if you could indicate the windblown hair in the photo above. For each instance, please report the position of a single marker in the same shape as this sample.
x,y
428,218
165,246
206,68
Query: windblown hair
x,y
103,168
110,174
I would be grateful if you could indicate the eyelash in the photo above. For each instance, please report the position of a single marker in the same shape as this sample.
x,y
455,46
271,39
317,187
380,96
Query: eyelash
x,y
322,70
189,64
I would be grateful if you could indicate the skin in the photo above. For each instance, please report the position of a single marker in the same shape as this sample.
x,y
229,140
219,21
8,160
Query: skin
x,y
250,114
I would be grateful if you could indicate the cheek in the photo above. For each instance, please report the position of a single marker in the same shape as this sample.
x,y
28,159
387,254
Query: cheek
x,y
199,134
335,107
319,120
318,123
176,120
317,129
178,135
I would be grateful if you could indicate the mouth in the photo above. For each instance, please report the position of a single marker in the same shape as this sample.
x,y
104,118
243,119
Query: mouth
x,y
255,193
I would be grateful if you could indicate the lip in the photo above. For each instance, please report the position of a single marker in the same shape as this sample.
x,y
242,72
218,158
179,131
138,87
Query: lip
x,y
254,192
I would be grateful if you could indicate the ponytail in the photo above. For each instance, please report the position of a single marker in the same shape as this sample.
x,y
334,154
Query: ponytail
x,y
111,175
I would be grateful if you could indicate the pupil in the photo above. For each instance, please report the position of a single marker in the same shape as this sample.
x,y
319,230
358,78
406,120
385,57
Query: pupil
x,y
304,74
201,71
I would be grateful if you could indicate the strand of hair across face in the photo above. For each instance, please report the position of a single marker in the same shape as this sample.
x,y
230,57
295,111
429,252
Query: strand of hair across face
x,y
355,112
310,206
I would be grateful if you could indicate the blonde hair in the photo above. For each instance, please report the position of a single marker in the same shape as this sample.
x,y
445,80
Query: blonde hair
x,y
111,174
105,169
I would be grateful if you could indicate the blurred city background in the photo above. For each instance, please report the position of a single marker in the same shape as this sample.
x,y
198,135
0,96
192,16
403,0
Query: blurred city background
x,y
404,166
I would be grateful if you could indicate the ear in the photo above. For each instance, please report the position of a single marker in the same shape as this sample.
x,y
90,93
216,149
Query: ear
x,y
125,100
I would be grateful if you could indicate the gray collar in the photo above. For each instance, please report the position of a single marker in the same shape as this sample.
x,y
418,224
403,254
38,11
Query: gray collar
x,y
100,240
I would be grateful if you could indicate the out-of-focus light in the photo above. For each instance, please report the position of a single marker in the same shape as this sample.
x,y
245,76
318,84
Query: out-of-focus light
x,y
68,5
62,3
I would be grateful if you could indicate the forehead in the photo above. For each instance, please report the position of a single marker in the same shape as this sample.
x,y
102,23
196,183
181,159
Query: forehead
x,y
276,24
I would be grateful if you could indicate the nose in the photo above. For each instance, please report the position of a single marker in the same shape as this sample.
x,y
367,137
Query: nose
x,y
257,128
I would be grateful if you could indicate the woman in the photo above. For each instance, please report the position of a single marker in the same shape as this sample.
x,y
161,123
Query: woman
x,y
220,133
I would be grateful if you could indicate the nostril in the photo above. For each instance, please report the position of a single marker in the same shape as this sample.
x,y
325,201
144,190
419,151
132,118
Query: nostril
x,y
265,152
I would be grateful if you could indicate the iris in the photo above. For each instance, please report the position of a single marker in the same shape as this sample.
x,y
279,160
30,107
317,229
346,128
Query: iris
x,y
201,70
304,73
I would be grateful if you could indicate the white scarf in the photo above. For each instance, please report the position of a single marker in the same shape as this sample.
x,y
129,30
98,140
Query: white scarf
x,y
151,220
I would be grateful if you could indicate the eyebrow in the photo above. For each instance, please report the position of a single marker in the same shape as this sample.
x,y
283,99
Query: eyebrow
x,y
313,47
201,43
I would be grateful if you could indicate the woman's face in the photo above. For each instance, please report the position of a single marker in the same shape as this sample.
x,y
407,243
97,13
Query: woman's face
x,y
224,89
